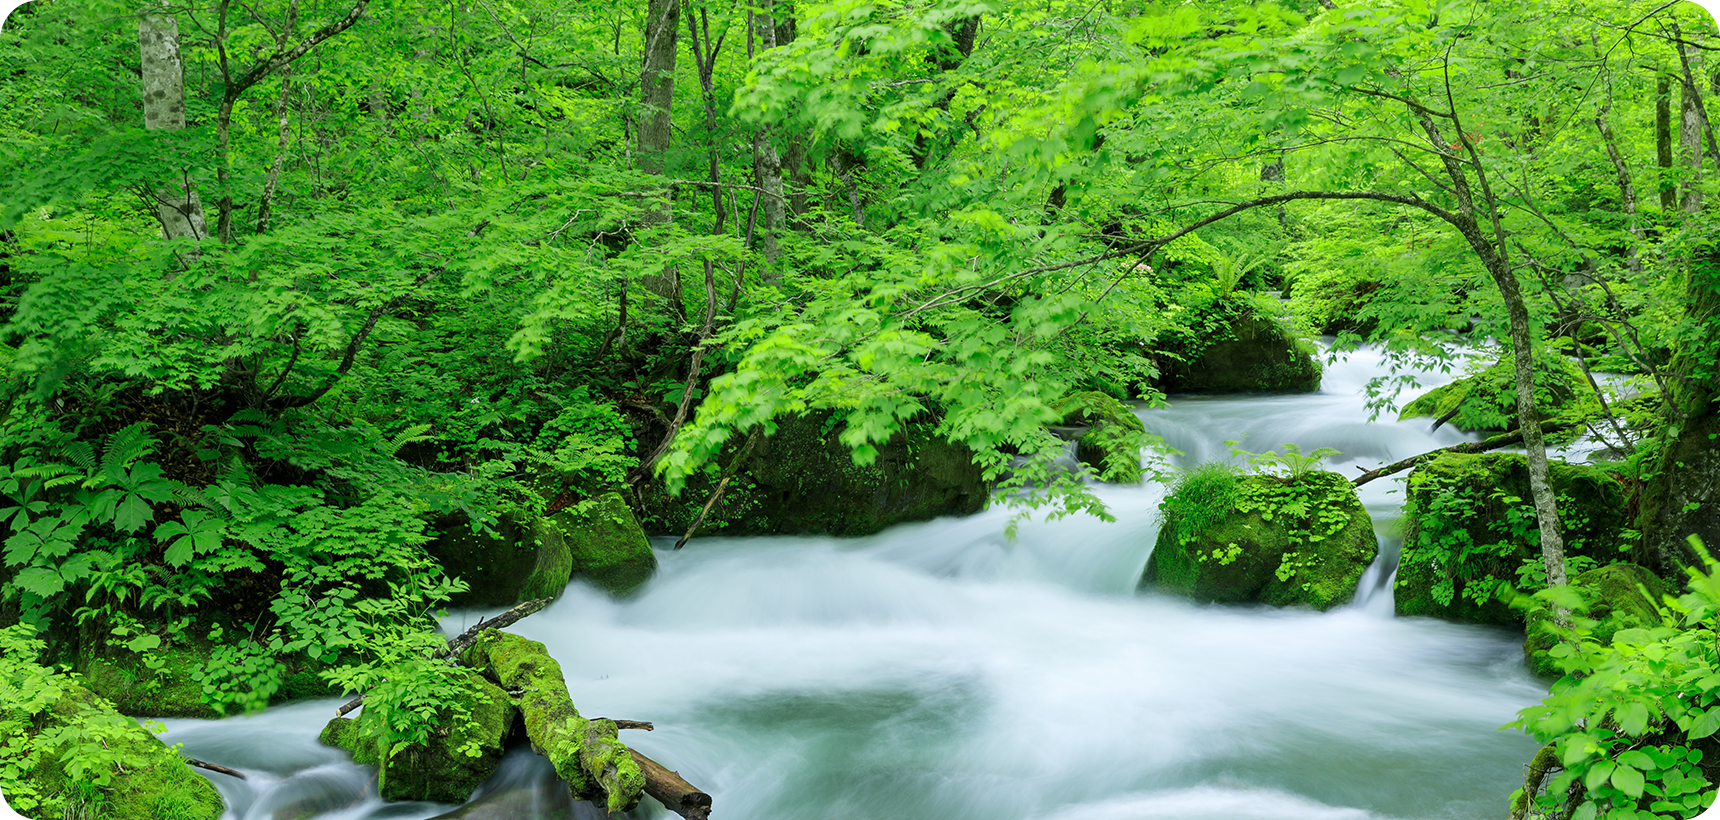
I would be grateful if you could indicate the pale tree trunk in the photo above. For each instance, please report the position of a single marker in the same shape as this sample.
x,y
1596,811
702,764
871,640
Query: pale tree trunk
x,y
767,165
283,116
1663,142
1690,145
657,96
177,206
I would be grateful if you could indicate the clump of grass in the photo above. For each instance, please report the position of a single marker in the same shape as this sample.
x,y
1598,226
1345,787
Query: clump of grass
x,y
1199,498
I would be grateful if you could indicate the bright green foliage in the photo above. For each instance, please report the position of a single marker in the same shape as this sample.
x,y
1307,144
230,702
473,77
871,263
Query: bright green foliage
x,y
1472,542
1629,718
65,751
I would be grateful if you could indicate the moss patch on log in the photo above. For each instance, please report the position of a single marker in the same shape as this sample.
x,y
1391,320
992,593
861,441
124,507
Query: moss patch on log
x,y
460,755
586,753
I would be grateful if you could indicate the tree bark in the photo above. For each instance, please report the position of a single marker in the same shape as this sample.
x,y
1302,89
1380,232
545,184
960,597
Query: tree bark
x,y
767,164
177,206
284,133
1690,144
657,99
675,793
1663,142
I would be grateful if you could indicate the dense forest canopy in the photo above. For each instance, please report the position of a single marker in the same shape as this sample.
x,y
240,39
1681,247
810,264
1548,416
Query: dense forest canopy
x,y
290,289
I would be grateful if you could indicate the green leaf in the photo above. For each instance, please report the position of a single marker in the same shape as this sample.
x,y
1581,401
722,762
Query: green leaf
x,y
40,581
1627,780
143,643
1706,724
1637,759
1598,774
1633,719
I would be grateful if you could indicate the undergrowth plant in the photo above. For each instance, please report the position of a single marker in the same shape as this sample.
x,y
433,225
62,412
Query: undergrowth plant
x,y
1631,722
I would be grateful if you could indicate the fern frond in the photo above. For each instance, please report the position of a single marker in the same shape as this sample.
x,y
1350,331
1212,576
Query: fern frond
x,y
124,447
407,436
195,497
83,455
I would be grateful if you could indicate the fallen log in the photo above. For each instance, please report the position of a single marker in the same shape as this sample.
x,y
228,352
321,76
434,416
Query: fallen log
x,y
458,643
672,791
1494,443
586,753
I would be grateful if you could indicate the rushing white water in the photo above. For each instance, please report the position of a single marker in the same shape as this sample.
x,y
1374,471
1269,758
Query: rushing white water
x,y
942,671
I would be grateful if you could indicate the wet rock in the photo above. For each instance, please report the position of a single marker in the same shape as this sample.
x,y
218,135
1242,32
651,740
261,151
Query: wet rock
x,y
1233,554
528,557
1251,352
803,479
458,757
1111,438
1471,527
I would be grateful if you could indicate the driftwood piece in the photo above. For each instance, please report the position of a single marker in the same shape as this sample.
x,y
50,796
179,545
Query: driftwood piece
x,y
630,724
215,768
672,791
458,644
1494,443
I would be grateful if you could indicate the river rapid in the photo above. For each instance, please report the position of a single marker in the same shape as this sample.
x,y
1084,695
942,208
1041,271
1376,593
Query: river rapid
x,y
941,671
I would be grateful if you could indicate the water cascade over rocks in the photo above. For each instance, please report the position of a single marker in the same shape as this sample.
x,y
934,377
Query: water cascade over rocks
x,y
940,671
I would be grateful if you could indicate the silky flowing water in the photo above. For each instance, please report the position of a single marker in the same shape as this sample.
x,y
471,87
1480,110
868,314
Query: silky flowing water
x,y
940,671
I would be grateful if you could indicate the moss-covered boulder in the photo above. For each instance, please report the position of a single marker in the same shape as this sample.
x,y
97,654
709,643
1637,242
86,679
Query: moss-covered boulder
x,y
459,756
527,557
1111,435
1250,542
1613,597
1488,400
803,480
1248,351
1471,528
149,781
126,679
604,544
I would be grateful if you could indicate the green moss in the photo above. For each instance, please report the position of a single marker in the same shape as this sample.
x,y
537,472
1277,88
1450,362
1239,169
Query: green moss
x,y
803,479
1488,400
1114,437
495,564
1612,596
443,770
122,677
1228,554
1250,351
586,753
603,542
156,784
1471,528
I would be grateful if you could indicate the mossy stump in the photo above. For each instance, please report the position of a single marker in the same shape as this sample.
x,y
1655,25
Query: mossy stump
x,y
586,753
441,770
1613,597
1242,557
803,480
1256,353
1471,527
156,784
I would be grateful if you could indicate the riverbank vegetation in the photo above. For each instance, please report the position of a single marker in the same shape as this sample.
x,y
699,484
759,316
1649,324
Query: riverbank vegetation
x,y
315,317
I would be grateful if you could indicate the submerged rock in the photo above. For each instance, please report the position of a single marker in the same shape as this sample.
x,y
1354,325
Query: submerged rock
x,y
528,557
1225,547
1471,528
459,756
804,480
151,781
1253,352
1613,597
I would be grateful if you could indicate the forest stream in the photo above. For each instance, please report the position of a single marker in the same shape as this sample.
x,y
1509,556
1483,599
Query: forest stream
x,y
940,671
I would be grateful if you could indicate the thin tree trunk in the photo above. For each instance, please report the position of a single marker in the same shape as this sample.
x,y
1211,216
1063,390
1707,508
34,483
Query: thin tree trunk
x,y
177,205
1626,188
1690,143
767,164
842,164
1663,142
657,96
283,117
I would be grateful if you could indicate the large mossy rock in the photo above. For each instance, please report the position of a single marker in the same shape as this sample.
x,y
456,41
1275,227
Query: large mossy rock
x,y
441,770
1471,527
1252,352
528,557
803,480
1613,597
1111,435
1683,498
1488,400
156,782
1239,555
